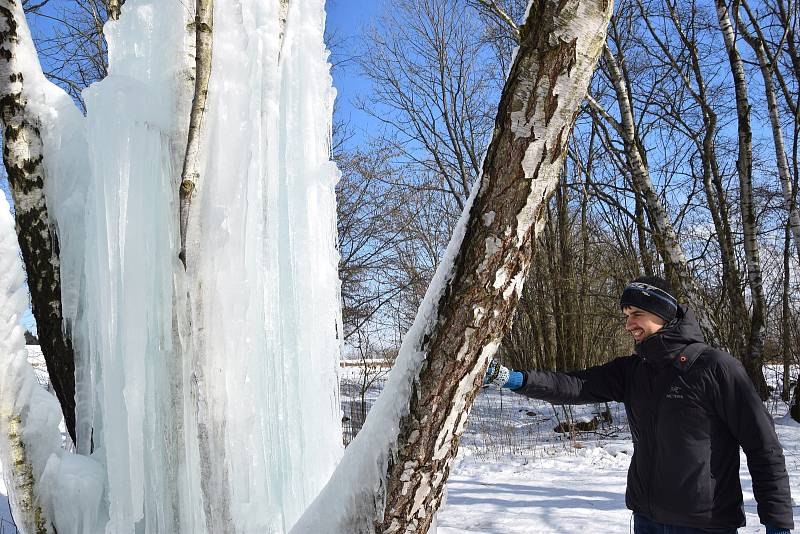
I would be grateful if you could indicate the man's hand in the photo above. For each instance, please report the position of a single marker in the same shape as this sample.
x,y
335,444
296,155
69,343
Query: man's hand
x,y
501,376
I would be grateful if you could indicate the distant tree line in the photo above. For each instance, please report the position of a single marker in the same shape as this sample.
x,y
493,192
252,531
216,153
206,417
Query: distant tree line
x,y
684,164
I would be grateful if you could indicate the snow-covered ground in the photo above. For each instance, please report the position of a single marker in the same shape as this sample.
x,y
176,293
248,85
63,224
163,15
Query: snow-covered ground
x,y
515,475
559,485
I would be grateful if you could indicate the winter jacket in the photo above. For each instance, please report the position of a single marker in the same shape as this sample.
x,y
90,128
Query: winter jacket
x,y
690,407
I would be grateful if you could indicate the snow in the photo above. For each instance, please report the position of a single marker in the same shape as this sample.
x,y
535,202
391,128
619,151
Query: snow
x,y
203,403
513,474
562,490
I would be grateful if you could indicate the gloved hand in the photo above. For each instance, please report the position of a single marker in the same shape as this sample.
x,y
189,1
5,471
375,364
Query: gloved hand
x,y
773,530
501,376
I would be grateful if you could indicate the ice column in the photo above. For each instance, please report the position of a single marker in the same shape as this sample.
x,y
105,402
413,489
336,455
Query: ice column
x,y
266,272
207,398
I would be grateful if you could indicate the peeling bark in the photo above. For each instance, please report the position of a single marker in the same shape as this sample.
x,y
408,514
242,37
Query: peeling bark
x,y
559,47
22,156
753,357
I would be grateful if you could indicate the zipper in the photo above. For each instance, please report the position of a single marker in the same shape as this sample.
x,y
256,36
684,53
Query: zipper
x,y
654,458
660,389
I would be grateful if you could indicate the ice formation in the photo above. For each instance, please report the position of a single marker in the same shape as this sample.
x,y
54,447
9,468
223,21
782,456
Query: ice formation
x,y
206,398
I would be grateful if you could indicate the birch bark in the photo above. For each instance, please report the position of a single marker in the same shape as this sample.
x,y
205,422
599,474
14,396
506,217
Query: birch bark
x,y
777,134
744,166
190,175
214,479
471,311
22,156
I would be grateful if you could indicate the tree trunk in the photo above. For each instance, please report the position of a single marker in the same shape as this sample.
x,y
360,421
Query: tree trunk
x,y
18,389
777,134
786,337
744,165
22,156
671,249
214,480
190,175
469,306
113,8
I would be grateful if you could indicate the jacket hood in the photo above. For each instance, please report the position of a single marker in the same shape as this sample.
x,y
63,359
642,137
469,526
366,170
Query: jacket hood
x,y
665,344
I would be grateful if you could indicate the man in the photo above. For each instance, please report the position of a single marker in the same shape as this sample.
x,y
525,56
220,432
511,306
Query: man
x,y
690,407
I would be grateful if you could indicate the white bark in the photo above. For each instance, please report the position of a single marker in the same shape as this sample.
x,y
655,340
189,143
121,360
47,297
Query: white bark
x,y
744,167
784,174
214,480
23,157
190,176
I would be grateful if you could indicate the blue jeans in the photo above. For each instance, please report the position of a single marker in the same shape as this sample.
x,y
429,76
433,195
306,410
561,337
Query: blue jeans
x,y
642,525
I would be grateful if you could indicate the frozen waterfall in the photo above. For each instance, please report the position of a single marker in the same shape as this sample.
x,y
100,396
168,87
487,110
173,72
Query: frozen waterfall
x,y
207,398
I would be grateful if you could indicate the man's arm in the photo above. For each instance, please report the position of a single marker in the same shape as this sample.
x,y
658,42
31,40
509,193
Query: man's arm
x,y
740,407
602,383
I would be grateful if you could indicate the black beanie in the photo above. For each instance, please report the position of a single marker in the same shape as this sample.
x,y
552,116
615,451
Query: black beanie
x,y
650,293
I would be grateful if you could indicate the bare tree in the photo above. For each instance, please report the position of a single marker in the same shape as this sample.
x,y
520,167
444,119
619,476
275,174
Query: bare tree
x,y
767,69
744,166
430,89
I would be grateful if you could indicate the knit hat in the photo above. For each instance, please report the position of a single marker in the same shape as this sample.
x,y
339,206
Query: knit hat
x,y
650,293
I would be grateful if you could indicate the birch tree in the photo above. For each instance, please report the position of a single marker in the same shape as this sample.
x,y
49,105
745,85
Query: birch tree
x,y
733,326
744,166
22,156
670,247
767,68
469,305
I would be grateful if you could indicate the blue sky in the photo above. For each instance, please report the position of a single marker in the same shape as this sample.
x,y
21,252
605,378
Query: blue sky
x,y
345,21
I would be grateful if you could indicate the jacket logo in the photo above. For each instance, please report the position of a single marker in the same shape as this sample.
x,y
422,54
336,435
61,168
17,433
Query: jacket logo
x,y
675,392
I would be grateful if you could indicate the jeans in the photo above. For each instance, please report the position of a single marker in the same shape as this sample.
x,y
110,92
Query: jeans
x,y
642,525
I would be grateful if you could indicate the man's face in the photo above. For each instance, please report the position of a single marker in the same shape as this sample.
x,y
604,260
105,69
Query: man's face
x,y
641,323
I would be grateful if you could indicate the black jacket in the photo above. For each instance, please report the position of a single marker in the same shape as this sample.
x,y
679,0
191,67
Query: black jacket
x,y
690,407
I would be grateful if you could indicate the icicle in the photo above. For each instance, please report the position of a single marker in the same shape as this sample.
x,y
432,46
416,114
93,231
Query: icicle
x,y
264,239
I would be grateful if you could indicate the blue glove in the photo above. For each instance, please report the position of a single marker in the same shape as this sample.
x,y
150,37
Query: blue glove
x,y
501,376
773,530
